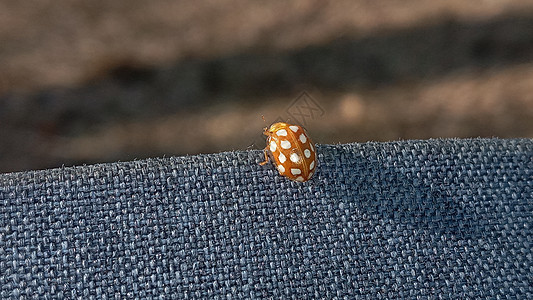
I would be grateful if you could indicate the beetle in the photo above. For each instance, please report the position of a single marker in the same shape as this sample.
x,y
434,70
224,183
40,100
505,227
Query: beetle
x,y
291,150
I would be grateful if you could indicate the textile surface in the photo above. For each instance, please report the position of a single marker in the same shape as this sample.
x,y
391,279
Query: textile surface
x,y
413,219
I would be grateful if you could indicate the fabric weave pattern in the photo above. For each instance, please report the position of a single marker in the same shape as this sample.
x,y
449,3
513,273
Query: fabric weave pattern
x,y
427,219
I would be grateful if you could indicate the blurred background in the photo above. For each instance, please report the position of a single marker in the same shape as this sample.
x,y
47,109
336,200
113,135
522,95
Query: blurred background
x,y
83,82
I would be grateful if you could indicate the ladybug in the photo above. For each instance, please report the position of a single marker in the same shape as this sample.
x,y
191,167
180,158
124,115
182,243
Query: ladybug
x,y
291,150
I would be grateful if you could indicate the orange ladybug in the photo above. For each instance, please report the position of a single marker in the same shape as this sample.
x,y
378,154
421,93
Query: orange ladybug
x,y
291,150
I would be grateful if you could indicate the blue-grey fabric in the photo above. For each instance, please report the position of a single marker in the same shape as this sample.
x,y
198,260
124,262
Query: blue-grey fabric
x,y
413,219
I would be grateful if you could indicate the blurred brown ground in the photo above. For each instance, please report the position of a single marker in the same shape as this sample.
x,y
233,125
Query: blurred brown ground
x,y
100,81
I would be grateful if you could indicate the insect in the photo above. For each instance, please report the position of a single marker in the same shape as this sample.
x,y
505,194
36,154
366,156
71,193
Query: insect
x,y
291,150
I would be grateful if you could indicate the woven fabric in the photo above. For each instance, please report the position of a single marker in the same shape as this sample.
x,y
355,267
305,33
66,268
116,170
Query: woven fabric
x,y
413,219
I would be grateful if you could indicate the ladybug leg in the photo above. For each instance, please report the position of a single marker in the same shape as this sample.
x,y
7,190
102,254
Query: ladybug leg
x,y
266,158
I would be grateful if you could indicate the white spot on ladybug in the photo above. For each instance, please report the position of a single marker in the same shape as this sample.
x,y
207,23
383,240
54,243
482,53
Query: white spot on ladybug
x,y
273,146
312,148
295,158
281,132
281,168
307,153
285,144
299,178
296,171
303,139
282,158
294,128
312,165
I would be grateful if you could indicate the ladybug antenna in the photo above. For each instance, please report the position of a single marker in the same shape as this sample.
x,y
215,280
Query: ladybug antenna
x,y
266,127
